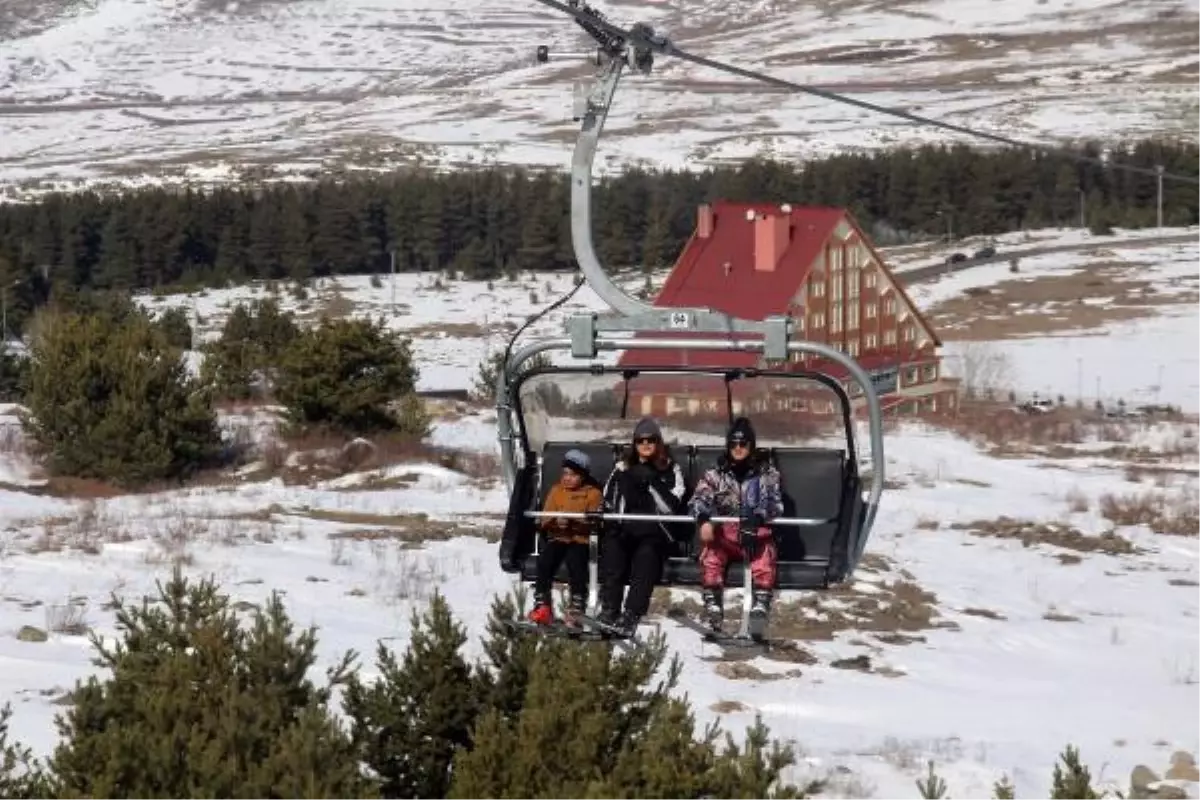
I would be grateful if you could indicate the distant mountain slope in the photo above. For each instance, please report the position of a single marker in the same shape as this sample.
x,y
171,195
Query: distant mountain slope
x,y
149,89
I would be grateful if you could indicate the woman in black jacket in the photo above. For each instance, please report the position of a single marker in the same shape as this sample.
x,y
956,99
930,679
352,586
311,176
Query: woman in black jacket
x,y
647,481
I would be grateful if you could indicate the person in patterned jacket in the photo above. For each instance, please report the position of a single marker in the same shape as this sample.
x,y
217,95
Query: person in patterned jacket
x,y
741,485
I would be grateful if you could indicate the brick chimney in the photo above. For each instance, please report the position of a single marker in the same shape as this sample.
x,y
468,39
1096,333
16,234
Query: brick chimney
x,y
771,239
704,221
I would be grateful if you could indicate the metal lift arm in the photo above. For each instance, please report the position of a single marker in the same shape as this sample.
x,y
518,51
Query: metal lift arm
x,y
629,313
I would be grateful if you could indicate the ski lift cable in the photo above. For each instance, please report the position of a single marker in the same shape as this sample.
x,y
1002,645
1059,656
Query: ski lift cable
x,y
613,39
560,301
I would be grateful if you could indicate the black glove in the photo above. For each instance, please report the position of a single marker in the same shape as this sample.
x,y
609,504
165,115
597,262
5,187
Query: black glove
x,y
641,475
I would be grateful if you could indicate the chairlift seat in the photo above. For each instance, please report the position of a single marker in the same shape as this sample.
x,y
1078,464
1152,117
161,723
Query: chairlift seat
x,y
816,482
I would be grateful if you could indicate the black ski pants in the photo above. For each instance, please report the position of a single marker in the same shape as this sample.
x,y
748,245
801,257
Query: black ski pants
x,y
634,557
551,557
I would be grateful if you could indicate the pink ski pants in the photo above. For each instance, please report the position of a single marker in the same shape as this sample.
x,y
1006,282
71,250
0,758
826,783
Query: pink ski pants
x,y
725,547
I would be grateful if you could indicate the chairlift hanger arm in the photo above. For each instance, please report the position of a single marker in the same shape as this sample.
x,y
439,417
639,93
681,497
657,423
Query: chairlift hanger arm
x,y
615,53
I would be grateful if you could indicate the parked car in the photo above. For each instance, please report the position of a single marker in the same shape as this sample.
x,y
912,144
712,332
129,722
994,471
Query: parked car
x,y
985,252
956,258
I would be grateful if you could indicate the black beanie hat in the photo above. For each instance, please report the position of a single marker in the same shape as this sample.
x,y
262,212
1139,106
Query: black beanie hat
x,y
741,430
647,428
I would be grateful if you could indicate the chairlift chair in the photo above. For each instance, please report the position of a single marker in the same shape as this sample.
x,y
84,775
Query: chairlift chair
x,y
828,515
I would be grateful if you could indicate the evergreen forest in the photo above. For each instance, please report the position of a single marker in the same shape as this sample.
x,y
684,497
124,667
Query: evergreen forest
x,y
494,221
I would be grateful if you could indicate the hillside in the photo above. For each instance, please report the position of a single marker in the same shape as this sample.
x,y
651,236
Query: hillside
x,y
1031,581
143,91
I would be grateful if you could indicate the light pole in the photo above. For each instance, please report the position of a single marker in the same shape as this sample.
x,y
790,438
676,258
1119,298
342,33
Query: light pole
x,y
392,254
4,312
1158,169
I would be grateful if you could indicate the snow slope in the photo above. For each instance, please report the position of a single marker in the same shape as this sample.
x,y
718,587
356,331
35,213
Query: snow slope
x,y
1039,650
145,90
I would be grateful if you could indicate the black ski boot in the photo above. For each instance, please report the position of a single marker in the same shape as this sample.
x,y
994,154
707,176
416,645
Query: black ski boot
x,y
575,611
628,624
759,611
607,616
714,609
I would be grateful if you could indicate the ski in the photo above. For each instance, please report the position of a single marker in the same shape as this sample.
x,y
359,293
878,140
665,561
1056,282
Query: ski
x,y
732,640
557,629
610,632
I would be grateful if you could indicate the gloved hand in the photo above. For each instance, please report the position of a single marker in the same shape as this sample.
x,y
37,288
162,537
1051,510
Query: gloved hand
x,y
641,475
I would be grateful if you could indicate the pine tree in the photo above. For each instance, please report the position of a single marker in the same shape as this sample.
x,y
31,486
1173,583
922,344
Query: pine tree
x,y
195,705
21,775
592,724
409,724
345,374
109,398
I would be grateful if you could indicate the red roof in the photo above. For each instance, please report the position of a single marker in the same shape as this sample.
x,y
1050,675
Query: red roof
x,y
699,279
718,272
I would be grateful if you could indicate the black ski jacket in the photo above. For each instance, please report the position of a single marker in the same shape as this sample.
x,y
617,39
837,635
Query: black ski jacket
x,y
644,489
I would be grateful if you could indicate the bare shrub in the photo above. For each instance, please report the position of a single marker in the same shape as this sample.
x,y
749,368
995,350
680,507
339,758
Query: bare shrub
x,y
68,618
1077,501
985,370
1172,514
86,532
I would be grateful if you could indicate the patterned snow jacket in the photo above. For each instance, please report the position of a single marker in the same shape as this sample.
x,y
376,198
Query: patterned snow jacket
x,y
719,493
644,489
586,498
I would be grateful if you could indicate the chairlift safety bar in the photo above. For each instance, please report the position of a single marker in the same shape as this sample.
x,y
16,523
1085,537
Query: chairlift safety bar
x,y
601,516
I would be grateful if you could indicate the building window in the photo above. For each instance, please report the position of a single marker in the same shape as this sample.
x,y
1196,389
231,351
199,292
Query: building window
x,y
835,317
836,260
911,377
910,333
852,316
799,319
855,277
818,288
889,305
852,347
931,403
870,341
870,278
871,310
816,320
889,338
931,373
837,287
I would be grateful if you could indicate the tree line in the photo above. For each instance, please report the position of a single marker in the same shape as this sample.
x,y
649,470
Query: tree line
x,y
494,221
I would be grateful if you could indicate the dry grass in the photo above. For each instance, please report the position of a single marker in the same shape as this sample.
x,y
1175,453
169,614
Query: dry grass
x,y
1077,501
1030,533
1174,514
1052,303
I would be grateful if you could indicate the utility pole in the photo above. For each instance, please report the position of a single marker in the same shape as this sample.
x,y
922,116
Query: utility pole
x,y
1159,170
1082,213
4,313
392,254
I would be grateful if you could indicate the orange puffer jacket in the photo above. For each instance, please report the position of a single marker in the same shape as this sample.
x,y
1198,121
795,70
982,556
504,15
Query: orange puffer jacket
x,y
586,498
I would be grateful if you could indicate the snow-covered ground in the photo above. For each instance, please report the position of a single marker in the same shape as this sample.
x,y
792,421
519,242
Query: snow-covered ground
x,y
454,324
142,91
1040,645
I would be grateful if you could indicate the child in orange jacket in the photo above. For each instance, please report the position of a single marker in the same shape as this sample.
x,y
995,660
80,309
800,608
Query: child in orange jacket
x,y
566,539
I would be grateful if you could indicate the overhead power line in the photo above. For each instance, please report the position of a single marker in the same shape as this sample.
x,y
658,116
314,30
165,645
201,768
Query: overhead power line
x,y
613,38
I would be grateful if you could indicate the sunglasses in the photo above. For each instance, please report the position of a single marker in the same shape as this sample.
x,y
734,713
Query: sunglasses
x,y
737,444
645,440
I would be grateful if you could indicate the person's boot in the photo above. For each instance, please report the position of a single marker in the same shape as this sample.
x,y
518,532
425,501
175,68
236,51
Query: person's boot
x,y
760,610
543,612
607,616
714,608
575,610
627,624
